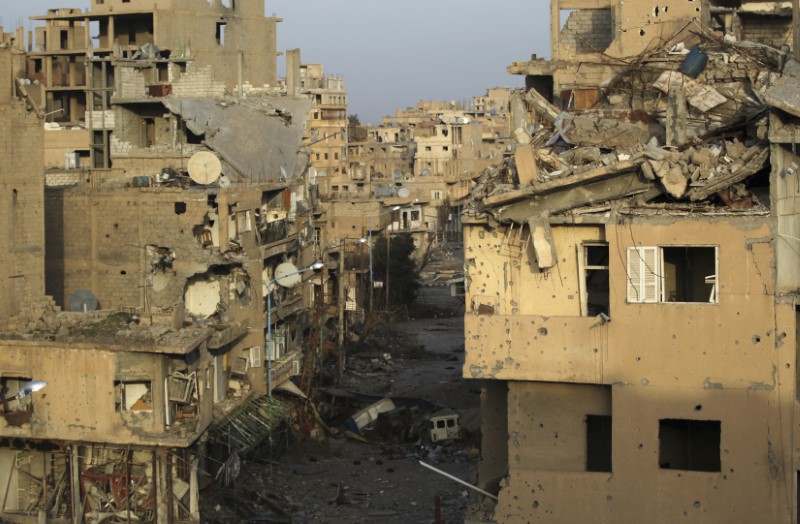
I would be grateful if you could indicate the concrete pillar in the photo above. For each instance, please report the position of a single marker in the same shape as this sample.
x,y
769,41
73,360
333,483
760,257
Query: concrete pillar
x,y
796,28
676,115
292,71
6,78
75,484
519,112
163,486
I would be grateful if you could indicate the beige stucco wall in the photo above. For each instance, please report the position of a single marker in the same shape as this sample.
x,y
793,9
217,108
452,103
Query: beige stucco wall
x,y
78,402
732,361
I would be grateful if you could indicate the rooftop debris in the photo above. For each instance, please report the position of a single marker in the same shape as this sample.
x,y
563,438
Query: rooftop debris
x,y
683,126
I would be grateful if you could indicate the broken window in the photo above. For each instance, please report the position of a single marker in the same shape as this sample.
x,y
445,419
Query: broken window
x,y
689,444
672,274
134,395
11,393
594,280
598,443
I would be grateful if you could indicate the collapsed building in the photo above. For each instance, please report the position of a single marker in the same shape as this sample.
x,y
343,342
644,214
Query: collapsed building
x,y
632,283
158,273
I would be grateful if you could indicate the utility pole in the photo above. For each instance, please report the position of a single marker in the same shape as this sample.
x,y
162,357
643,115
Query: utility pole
x,y
342,300
388,263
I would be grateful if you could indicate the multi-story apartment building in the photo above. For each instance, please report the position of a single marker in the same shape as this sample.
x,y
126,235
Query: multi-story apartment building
x,y
634,315
169,293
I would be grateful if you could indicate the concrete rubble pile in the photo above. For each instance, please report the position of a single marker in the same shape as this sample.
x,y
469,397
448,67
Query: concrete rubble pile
x,y
687,122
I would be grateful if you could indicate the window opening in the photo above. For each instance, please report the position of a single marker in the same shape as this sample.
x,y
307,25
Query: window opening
x,y
598,443
133,396
595,294
689,444
672,274
221,33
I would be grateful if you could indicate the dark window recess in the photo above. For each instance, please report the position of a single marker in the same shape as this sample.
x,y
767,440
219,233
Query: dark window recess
x,y
598,443
689,273
597,287
180,208
221,33
691,445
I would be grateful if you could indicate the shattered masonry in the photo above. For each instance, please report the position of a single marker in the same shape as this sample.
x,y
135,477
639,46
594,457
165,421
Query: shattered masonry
x,y
135,284
632,271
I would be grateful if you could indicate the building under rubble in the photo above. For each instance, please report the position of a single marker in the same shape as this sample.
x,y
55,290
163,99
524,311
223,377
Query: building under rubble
x,y
633,273
159,210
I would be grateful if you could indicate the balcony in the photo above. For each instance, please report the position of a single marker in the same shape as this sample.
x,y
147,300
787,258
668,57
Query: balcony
x,y
535,348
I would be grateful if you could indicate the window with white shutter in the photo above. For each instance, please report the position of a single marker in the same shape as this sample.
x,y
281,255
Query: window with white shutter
x,y
255,356
644,281
682,274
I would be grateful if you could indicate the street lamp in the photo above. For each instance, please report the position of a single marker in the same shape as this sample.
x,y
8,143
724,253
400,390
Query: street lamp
x,y
268,342
369,225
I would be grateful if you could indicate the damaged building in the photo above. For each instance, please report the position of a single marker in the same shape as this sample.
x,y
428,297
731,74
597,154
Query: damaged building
x,y
160,277
632,279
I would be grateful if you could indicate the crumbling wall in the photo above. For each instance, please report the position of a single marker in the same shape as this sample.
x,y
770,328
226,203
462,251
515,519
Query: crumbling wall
x,y
771,30
198,82
21,197
586,31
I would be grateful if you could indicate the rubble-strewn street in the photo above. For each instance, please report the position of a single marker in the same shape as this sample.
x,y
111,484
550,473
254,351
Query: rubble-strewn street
x,y
225,298
341,479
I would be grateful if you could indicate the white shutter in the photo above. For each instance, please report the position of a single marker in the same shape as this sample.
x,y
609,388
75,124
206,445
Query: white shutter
x,y
644,282
255,357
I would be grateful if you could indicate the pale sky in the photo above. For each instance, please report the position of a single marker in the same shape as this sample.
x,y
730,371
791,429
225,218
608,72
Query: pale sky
x,y
392,54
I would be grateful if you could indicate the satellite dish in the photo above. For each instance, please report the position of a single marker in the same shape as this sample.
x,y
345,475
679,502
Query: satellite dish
x,y
82,301
224,181
204,168
397,173
284,176
323,174
426,172
403,192
287,275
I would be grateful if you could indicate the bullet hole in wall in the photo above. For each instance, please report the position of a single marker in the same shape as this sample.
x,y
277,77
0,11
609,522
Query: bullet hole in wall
x,y
698,407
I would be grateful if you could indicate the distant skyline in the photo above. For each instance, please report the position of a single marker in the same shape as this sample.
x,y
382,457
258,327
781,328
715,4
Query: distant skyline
x,y
392,55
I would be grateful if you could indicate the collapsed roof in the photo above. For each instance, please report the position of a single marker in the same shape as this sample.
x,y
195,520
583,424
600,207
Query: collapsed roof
x,y
682,128
259,139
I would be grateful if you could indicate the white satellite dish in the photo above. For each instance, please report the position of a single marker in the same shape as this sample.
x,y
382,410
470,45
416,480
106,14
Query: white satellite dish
x,y
403,192
287,275
204,168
